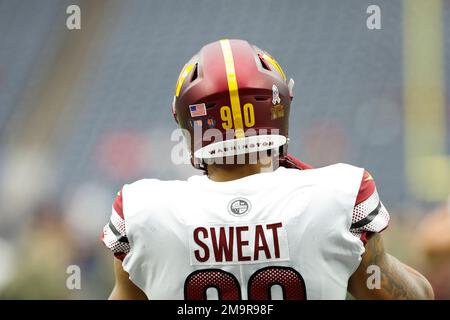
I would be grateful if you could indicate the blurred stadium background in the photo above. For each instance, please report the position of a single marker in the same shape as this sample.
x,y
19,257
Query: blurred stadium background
x,y
84,111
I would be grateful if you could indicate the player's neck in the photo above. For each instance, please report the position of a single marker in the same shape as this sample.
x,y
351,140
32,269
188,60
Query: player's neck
x,y
229,172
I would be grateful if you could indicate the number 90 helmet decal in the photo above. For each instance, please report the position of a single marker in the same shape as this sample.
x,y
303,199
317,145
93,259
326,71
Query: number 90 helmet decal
x,y
232,98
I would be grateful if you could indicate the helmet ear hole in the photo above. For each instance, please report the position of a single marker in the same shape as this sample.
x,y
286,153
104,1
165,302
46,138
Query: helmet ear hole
x,y
195,73
263,62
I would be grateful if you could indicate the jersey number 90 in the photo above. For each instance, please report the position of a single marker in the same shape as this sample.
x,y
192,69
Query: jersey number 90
x,y
259,284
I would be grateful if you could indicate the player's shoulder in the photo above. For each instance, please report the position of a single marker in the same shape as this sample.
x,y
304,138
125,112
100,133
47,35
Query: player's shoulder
x,y
339,176
151,183
369,214
297,168
334,174
339,168
341,172
148,192
145,188
363,182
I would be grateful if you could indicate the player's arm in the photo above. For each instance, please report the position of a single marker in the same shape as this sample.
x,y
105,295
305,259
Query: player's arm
x,y
124,288
398,281
115,238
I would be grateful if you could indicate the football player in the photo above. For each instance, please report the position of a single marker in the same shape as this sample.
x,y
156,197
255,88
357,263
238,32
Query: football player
x,y
259,224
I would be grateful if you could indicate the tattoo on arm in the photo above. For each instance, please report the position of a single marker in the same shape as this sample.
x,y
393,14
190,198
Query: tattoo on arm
x,y
396,281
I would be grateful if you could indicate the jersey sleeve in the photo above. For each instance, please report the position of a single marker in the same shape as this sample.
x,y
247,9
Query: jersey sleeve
x,y
114,233
369,214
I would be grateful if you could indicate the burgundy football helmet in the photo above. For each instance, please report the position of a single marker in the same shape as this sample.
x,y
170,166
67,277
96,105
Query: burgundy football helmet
x,y
232,98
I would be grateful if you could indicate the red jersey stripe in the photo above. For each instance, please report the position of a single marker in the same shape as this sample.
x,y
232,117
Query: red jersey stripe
x,y
117,205
366,189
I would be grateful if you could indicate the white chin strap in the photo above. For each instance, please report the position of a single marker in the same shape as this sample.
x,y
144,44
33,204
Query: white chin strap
x,y
234,147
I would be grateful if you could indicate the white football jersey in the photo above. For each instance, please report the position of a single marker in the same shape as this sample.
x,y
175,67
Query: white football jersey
x,y
286,234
